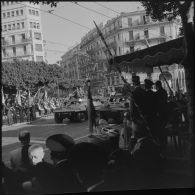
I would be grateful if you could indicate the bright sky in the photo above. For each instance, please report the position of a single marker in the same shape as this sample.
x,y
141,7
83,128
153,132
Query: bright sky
x,y
64,32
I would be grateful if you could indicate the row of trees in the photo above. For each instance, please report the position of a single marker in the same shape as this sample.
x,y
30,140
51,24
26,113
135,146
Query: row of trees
x,y
29,75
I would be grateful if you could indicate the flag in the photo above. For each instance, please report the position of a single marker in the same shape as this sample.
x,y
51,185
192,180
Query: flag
x,y
91,109
3,98
19,98
102,37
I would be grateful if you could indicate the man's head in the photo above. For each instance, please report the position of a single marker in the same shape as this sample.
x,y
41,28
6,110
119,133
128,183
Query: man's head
x,y
36,153
136,80
89,160
148,84
59,146
139,128
24,137
158,85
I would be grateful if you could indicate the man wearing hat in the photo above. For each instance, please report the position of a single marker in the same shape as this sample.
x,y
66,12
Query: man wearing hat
x,y
138,94
151,107
19,158
162,112
60,146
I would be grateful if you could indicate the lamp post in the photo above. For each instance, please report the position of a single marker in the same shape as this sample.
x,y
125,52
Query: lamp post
x,y
89,106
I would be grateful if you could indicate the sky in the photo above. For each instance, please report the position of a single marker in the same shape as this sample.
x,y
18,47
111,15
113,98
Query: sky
x,y
68,34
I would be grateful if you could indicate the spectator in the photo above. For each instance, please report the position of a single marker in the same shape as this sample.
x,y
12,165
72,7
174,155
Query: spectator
x,y
43,180
60,146
19,158
89,160
145,156
162,113
151,107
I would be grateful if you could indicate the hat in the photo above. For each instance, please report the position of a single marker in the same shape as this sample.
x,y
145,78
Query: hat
x,y
24,135
158,83
59,142
148,82
135,79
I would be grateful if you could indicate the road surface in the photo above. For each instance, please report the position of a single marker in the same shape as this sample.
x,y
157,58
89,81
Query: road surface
x,y
40,130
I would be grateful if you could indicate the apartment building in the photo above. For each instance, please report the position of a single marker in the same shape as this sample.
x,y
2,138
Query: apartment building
x,y
124,34
22,36
70,61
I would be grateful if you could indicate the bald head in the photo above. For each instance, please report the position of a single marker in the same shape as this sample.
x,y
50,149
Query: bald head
x,y
24,137
36,153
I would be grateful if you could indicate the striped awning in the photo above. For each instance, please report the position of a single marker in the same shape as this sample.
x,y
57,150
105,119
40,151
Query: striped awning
x,y
144,60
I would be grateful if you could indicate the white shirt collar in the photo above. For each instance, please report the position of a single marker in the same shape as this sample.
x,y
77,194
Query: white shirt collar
x,y
95,185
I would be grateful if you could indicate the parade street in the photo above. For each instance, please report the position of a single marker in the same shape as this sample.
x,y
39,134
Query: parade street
x,y
40,130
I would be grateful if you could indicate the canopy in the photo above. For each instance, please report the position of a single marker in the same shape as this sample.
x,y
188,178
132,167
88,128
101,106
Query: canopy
x,y
144,60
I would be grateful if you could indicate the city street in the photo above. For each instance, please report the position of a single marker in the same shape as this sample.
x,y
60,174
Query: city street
x,y
40,130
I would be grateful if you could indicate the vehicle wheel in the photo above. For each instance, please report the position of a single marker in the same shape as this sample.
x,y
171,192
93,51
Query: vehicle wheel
x,y
81,117
57,118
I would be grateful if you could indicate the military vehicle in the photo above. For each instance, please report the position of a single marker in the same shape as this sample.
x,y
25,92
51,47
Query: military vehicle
x,y
74,110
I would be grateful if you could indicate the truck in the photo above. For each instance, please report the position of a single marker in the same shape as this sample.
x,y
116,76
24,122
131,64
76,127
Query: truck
x,y
75,110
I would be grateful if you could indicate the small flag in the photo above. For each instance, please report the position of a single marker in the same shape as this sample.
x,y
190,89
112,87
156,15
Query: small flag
x,y
3,98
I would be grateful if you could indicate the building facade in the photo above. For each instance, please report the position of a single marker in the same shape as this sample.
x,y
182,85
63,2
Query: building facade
x,y
124,34
22,36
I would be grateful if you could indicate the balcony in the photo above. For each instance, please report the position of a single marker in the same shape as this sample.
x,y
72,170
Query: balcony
x,y
7,56
141,39
21,42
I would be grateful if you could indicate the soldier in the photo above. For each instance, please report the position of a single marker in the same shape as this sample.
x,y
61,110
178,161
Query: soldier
x,y
138,96
151,107
162,112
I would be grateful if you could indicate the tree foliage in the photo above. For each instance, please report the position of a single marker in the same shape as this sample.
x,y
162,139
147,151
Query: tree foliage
x,y
32,75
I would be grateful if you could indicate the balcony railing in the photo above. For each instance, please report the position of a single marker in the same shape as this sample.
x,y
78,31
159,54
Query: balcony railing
x,y
17,55
10,43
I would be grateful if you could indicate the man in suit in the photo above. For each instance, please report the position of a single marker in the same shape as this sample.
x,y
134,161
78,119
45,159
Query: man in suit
x,y
162,113
60,146
19,157
145,155
151,106
138,95
89,160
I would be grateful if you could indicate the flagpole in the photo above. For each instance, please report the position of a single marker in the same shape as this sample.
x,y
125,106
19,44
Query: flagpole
x,y
89,108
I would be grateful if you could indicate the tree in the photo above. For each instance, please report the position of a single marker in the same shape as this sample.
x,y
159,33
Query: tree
x,y
185,9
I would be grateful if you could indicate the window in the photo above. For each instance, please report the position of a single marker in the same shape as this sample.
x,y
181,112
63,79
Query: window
x,y
3,40
24,49
5,27
9,26
162,30
31,24
18,25
37,13
4,53
129,21
39,58
119,37
34,24
22,24
21,12
30,12
13,27
7,3
38,26
4,15
12,13
146,34
14,51
144,19
33,12
3,3
130,35
13,39
37,36
38,47
131,49
17,12
119,50
8,14
23,36
137,36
